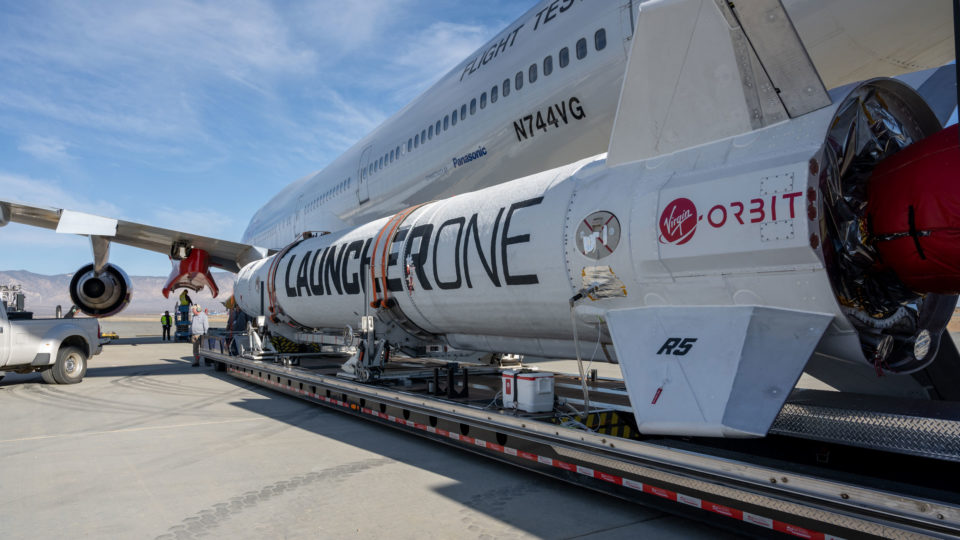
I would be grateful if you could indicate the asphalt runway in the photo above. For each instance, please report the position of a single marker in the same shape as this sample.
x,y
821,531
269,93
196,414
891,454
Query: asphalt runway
x,y
149,447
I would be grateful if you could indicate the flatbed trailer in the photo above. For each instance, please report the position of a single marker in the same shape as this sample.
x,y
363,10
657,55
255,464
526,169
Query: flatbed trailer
x,y
828,470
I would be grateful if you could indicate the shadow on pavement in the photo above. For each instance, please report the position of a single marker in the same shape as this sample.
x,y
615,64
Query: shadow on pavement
x,y
507,491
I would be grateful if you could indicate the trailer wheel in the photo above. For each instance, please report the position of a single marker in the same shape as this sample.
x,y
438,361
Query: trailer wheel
x,y
70,367
47,376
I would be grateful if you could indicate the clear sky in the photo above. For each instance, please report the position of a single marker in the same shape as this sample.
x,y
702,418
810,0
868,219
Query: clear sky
x,y
191,114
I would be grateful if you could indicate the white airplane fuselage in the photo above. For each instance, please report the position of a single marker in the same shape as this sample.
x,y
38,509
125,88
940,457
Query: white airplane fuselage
x,y
570,57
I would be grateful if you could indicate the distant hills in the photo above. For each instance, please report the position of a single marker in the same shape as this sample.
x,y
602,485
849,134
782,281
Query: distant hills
x,y
44,293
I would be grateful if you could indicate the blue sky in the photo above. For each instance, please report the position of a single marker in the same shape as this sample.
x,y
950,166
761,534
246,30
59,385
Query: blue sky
x,y
190,115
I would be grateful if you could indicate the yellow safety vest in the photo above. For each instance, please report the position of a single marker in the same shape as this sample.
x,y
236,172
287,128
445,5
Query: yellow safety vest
x,y
165,320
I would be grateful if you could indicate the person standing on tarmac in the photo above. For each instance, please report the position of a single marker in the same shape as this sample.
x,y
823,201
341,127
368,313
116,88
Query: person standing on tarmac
x,y
198,327
166,322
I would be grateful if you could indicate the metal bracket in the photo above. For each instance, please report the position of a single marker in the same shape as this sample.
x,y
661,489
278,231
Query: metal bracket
x,y
180,250
101,252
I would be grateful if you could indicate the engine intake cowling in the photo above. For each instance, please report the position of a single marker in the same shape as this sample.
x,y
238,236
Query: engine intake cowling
x,y
103,294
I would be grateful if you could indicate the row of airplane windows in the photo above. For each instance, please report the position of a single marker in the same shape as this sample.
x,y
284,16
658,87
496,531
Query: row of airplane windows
x,y
341,187
496,91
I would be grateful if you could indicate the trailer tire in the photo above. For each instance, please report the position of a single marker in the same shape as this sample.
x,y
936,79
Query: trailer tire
x,y
47,376
70,367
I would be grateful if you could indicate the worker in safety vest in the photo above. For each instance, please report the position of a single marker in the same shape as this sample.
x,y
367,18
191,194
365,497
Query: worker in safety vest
x,y
185,298
166,321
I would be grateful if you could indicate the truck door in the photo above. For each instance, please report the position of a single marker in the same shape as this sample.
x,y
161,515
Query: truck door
x,y
4,336
363,178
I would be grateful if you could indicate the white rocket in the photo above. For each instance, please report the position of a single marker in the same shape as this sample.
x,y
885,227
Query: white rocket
x,y
715,272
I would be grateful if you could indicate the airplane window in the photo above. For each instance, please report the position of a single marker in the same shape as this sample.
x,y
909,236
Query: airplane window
x,y
398,157
493,94
581,48
518,81
430,133
600,39
547,66
532,73
391,156
483,100
506,87
564,57
423,136
438,128
453,118
416,140
380,166
473,106
463,112
446,122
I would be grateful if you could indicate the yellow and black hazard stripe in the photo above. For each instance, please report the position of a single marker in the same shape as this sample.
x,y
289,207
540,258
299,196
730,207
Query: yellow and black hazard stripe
x,y
284,345
611,423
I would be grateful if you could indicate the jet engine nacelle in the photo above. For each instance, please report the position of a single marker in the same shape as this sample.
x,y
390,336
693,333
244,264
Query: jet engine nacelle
x,y
100,294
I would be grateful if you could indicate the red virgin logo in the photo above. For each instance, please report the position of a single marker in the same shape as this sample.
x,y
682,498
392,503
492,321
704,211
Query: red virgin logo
x,y
678,222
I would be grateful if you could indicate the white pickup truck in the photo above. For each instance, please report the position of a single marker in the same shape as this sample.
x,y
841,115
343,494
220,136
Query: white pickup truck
x,y
57,348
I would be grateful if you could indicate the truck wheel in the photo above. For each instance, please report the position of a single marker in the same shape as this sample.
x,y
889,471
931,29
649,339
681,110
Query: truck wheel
x,y
70,367
47,376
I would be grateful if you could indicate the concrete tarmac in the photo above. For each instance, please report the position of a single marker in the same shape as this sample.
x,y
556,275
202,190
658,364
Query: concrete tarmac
x,y
149,447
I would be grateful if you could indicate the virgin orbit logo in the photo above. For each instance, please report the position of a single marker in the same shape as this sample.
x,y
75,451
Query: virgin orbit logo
x,y
678,222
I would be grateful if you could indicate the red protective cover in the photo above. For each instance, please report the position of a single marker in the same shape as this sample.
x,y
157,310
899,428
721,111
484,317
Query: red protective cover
x,y
191,273
925,176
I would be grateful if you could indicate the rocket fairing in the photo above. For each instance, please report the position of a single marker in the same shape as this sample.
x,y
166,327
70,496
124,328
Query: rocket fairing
x,y
753,220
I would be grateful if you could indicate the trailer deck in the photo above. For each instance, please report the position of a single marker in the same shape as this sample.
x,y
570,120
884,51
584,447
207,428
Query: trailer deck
x,y
811,487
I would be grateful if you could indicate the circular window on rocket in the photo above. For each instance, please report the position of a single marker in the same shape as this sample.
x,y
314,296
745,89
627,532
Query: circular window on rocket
x,y
598,235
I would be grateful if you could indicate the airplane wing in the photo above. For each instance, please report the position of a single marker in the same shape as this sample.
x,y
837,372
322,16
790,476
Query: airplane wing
x,y
192,255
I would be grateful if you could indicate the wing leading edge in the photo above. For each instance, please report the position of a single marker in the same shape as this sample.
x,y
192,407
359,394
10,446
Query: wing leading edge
x,y
191,254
